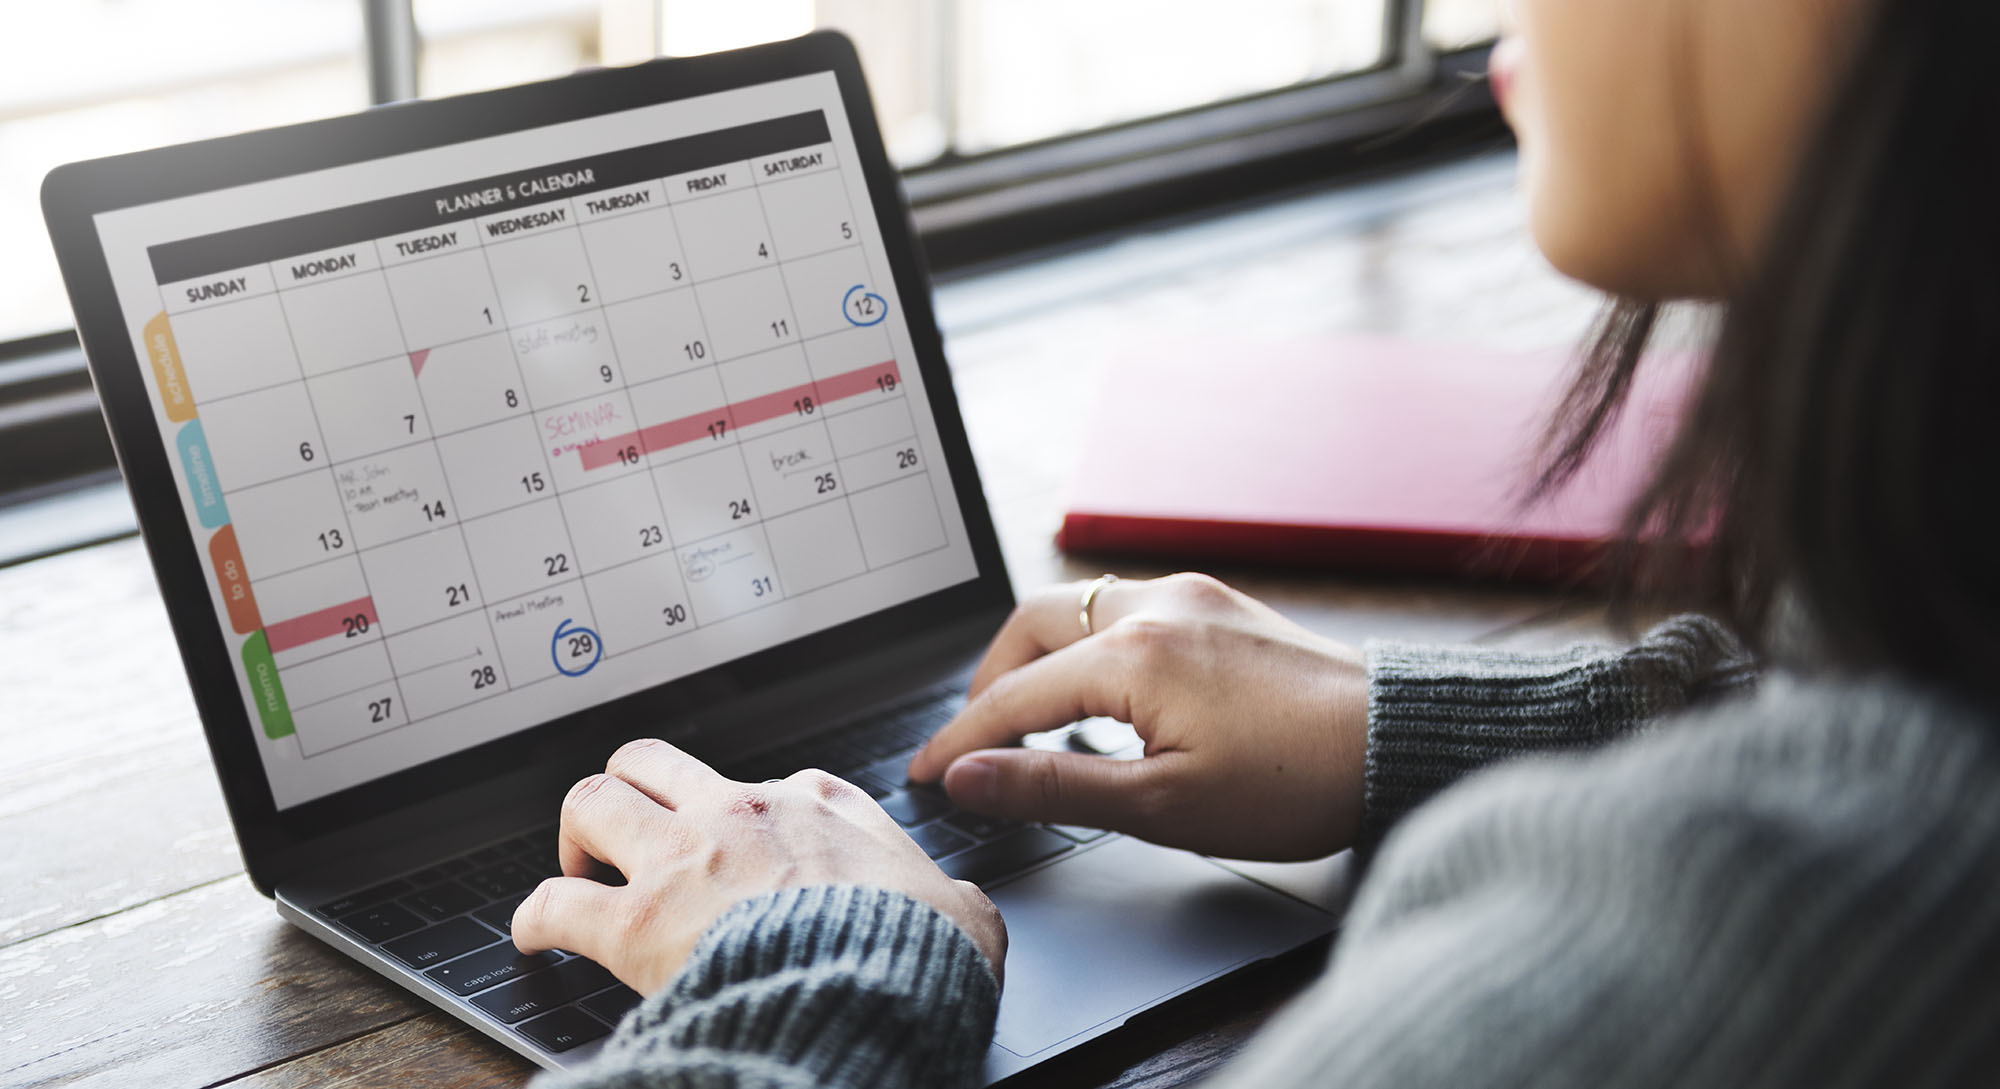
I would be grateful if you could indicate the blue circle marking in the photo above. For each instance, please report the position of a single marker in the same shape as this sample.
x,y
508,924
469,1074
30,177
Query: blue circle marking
x,y
586,640
858,312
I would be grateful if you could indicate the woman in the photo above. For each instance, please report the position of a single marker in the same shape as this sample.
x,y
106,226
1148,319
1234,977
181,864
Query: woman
x,y
1796,881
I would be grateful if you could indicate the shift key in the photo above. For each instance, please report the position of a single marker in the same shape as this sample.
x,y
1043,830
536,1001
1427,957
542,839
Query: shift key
x,y
545,990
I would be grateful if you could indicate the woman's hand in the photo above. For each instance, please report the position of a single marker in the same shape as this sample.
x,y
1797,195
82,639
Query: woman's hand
x,y
1255,728
691,844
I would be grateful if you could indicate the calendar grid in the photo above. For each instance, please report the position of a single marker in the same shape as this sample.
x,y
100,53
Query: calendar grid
x,y
458,518
378,360
676,262
652,478
373,611
609,653
528,398
792,309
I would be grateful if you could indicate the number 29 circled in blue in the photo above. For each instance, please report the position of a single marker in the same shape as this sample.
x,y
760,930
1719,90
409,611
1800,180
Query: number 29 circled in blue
x,y
582,642
864,307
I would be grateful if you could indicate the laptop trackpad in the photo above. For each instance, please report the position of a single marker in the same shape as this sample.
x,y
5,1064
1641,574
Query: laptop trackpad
x,y
1112,931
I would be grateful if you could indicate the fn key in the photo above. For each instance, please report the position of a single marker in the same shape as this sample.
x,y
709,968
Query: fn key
x,y
1003,856
563,1029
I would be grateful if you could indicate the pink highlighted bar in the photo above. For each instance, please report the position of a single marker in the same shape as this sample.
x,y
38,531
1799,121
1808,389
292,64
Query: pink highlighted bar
x,y
866,380
754,410
354,618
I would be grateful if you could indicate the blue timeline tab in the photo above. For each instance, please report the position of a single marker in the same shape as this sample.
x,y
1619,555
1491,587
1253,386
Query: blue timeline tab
x,y
202,485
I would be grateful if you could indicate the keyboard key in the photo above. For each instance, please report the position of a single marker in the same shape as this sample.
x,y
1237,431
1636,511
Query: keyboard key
x,y
990,861
487,856
379,924
496,964
500,916
829,756
916,806
871,785
894,771
980,826
429,876
440,943
444,901
1079,833
501,880
452,867
939,841
612,1005
877,740
564,1029
347,904
544,990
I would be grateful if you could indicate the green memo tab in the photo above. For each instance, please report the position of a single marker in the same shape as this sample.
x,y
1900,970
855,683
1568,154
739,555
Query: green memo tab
x,y
265,687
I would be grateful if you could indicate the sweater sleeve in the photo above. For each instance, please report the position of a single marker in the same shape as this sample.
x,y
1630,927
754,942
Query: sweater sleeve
x,y
1437,713
824,986
1797,890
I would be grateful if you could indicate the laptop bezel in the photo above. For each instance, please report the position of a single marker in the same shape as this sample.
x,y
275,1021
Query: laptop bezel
x,y
73,194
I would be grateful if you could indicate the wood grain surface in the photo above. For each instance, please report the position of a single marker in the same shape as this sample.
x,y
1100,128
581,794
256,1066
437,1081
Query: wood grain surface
x,y
132,950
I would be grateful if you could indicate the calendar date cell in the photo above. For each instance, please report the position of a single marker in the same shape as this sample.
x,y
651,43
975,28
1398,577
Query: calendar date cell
x,y
470,383
520,550
422,580
442,300
543,275
640,603
747,313
235,347
494,467
724,235
289,524
342,322
261,436
369,408
616,522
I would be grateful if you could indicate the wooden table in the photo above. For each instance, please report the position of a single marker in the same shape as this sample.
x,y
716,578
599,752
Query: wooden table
x,y
134,952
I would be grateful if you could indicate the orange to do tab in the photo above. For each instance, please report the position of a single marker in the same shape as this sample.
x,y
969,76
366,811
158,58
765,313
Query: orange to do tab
x,y
228,561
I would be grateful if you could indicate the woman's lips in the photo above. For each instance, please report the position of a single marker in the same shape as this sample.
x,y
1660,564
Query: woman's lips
x,y
1502,67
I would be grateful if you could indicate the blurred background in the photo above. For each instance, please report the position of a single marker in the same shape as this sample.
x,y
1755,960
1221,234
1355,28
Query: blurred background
x,y
1024,130
956,82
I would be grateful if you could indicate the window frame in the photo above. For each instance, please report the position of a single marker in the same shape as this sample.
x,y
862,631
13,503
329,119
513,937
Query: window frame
x,y
1417,104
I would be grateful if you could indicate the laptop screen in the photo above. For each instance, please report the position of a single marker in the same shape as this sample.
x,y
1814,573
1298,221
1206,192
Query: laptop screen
x,y
478,436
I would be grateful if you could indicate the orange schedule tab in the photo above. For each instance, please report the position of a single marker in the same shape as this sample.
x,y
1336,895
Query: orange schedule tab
x,y
167,372
352,619
228,561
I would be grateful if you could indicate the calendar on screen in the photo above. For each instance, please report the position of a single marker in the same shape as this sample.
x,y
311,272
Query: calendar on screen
x,y
477,436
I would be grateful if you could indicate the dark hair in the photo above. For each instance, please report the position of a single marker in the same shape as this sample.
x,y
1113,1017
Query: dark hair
x,y
1844,444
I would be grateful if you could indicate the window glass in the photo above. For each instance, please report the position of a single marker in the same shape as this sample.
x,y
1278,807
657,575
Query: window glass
x,y
474,45
1030,69
106,76
1457,24
959,75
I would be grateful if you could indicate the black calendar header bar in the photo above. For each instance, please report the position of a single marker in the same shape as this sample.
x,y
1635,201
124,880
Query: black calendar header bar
x,y
192,258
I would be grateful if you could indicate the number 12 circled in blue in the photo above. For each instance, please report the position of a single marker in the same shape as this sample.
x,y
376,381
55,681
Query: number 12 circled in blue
x,y
583,642
869,309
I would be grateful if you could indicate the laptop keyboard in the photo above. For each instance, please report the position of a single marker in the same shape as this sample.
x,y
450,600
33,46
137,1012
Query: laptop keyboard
x,y
451,921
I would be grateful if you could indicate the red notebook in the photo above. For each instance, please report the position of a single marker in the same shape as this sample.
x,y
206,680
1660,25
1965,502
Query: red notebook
x,y
1353,453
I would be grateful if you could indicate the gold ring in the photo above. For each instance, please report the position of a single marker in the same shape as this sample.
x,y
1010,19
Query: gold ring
x,y
1090,597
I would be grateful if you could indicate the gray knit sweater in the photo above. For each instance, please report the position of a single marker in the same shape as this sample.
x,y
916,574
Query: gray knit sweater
x,y
1675,880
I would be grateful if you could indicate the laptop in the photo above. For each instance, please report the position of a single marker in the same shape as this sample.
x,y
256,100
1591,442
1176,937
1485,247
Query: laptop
x,y
472,438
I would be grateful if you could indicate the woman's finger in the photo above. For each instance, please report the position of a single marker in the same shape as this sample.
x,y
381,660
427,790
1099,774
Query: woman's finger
x,y
606,819
663,772
1050,620
567,913
1076,681
1064,787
